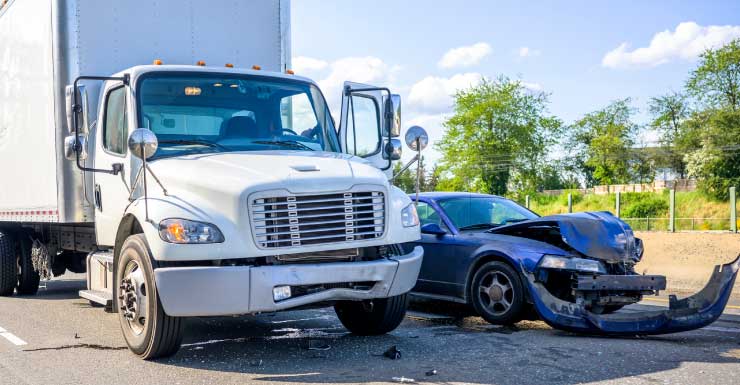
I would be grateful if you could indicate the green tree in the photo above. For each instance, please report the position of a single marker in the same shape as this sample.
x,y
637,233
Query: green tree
x,y
716,81
601,142
717,163
670,113
497,137
404,180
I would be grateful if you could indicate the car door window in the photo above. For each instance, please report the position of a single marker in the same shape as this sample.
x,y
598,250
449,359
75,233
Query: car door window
x,y
115,129
427,214
363,133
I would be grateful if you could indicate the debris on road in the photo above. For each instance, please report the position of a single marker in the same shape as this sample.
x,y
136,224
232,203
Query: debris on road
x,y
317,345
432,372
403,380
392,353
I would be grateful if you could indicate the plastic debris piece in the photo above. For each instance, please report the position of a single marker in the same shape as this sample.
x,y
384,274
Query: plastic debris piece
x,y
432,372
317,345
392,353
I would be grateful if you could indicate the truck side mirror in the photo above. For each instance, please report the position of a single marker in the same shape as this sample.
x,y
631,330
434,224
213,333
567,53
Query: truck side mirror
x,y
82,110
393,149
69,147
393,111
142,143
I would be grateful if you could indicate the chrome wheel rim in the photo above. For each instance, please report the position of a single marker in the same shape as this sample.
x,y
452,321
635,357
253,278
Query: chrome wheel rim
x,y
133,298
496,292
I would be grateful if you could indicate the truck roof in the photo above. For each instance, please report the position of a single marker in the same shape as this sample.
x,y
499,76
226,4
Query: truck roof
x,y
137,71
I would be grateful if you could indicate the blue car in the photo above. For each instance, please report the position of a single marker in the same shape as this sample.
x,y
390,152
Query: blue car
x,y
576,270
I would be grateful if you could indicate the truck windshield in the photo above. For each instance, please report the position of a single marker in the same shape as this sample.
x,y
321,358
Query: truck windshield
x,y
203,113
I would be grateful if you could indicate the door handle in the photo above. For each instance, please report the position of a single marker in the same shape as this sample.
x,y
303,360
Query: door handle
x,y
98,198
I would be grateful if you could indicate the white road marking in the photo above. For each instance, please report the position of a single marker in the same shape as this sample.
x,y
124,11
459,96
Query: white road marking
x,y
12,337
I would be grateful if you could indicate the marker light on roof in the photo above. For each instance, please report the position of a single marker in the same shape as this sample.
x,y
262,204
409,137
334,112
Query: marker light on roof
x,y
290,72
157,62
256,67
229,65
201,63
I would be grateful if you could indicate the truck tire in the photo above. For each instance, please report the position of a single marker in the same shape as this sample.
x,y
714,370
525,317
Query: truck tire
x,y
28,278
373,317
8,267
149,332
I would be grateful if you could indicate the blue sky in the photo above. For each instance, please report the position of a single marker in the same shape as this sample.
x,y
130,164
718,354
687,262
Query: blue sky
x,y
563,49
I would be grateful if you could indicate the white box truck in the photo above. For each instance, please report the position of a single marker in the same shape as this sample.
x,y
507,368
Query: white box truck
x,y
166,149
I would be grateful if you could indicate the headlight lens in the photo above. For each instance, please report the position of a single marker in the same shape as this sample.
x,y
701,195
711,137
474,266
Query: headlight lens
x,y
184,231
409,217
577,264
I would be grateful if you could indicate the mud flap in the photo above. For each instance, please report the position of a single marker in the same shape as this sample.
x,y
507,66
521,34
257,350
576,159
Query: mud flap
x,y
696,311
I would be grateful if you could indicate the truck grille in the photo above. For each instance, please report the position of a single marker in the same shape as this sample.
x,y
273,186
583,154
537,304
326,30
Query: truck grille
x,y
290,221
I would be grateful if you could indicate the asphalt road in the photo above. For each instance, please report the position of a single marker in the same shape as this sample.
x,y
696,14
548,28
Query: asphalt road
x,y
69,342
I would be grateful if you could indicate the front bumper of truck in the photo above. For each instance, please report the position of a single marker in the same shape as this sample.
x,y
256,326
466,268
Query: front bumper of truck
x,y
230,290
696,311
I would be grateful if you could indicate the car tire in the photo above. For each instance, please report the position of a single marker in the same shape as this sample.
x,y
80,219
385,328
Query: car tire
x,y
373,317
28,278
8,267
497,293
150,333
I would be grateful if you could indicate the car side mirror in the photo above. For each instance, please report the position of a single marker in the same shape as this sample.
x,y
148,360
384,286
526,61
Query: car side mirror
x,y
432,228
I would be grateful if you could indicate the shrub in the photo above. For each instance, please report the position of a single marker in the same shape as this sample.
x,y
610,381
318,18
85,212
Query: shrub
x,y
646,206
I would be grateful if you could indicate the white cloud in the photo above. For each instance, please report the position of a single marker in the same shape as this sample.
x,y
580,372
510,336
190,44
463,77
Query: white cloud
x,y
465,56
434,94
303,64
527,52
686,42
533,86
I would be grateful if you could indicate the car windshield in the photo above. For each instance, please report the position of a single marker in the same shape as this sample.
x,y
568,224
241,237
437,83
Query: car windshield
x,y
477,213
203,113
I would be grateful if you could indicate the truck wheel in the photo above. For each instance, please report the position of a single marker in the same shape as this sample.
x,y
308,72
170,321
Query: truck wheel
x,y
8,267
147,329
28,278
373,317
497,293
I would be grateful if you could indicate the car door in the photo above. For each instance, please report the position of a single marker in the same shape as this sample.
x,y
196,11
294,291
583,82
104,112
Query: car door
x,y
363,124
111,191
441,255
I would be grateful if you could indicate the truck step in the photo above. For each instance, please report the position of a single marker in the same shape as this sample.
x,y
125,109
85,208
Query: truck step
x,y
98,296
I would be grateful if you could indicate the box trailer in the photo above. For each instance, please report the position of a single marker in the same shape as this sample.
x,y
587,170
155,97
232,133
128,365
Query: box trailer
x,y
166,149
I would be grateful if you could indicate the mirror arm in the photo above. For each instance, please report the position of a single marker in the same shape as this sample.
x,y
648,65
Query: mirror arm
x,y
77,109
405,167
388,114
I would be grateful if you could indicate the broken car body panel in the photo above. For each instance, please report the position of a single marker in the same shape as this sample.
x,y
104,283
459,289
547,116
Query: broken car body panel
x,y
696,311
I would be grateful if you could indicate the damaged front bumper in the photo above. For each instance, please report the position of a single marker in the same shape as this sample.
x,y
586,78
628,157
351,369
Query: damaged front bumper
x,y
696,311
230,290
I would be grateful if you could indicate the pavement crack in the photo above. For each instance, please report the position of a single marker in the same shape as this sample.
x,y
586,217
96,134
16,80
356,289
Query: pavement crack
x,y
77,346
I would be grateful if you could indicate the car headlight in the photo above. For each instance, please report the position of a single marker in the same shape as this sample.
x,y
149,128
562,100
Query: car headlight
x,y
184,231
409,217
576,264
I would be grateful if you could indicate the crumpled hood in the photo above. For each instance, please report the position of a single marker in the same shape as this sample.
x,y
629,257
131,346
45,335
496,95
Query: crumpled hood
x,y
598,235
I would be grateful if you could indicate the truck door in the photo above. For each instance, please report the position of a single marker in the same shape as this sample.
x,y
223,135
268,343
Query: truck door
x,y
111,191
363,127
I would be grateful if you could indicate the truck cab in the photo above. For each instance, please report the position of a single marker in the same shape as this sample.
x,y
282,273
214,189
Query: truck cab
x,y
182,189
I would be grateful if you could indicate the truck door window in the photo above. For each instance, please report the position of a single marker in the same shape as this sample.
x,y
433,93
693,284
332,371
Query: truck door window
x,y
115,129
363,126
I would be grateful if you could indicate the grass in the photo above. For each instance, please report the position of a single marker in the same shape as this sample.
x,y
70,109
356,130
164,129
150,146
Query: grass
x,y
708,214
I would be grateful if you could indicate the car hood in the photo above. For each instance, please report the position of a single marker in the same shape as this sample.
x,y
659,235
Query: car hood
x,y
597,235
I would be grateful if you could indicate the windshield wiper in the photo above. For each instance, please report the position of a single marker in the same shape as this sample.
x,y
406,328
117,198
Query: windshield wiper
x,y
196,142
478,226
285,143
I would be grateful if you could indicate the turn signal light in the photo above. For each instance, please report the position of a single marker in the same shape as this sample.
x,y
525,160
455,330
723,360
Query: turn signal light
x,y
256,67
201,63
157,62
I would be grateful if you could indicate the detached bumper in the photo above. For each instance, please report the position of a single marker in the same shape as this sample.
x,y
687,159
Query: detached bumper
x,y
689,313
228,290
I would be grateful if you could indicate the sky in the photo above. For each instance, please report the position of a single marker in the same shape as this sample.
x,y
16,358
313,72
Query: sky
x,y
583,53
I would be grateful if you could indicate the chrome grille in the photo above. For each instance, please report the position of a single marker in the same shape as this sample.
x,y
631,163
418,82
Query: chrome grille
x,y
289,221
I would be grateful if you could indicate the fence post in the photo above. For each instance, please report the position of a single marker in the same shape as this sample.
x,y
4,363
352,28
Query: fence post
x,y
526,201
648,223
570,203
672,214
733,211
618,208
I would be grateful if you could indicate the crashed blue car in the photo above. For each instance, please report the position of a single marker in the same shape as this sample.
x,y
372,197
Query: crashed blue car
x,y
576,270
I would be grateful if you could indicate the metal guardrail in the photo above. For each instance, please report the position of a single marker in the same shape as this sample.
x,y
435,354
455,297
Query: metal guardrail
x,y
681,224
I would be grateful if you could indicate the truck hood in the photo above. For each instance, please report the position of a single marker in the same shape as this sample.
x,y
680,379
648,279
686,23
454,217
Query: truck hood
x,y
597,235
225,175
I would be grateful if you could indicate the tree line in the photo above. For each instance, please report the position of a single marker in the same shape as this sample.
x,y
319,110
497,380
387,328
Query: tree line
x,y
502,139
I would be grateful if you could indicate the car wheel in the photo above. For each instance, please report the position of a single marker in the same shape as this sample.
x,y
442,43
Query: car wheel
x,y
149,332
497,293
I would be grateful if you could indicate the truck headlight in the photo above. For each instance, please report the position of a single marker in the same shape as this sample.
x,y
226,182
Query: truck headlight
x,y
409,217
575,264
184,231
